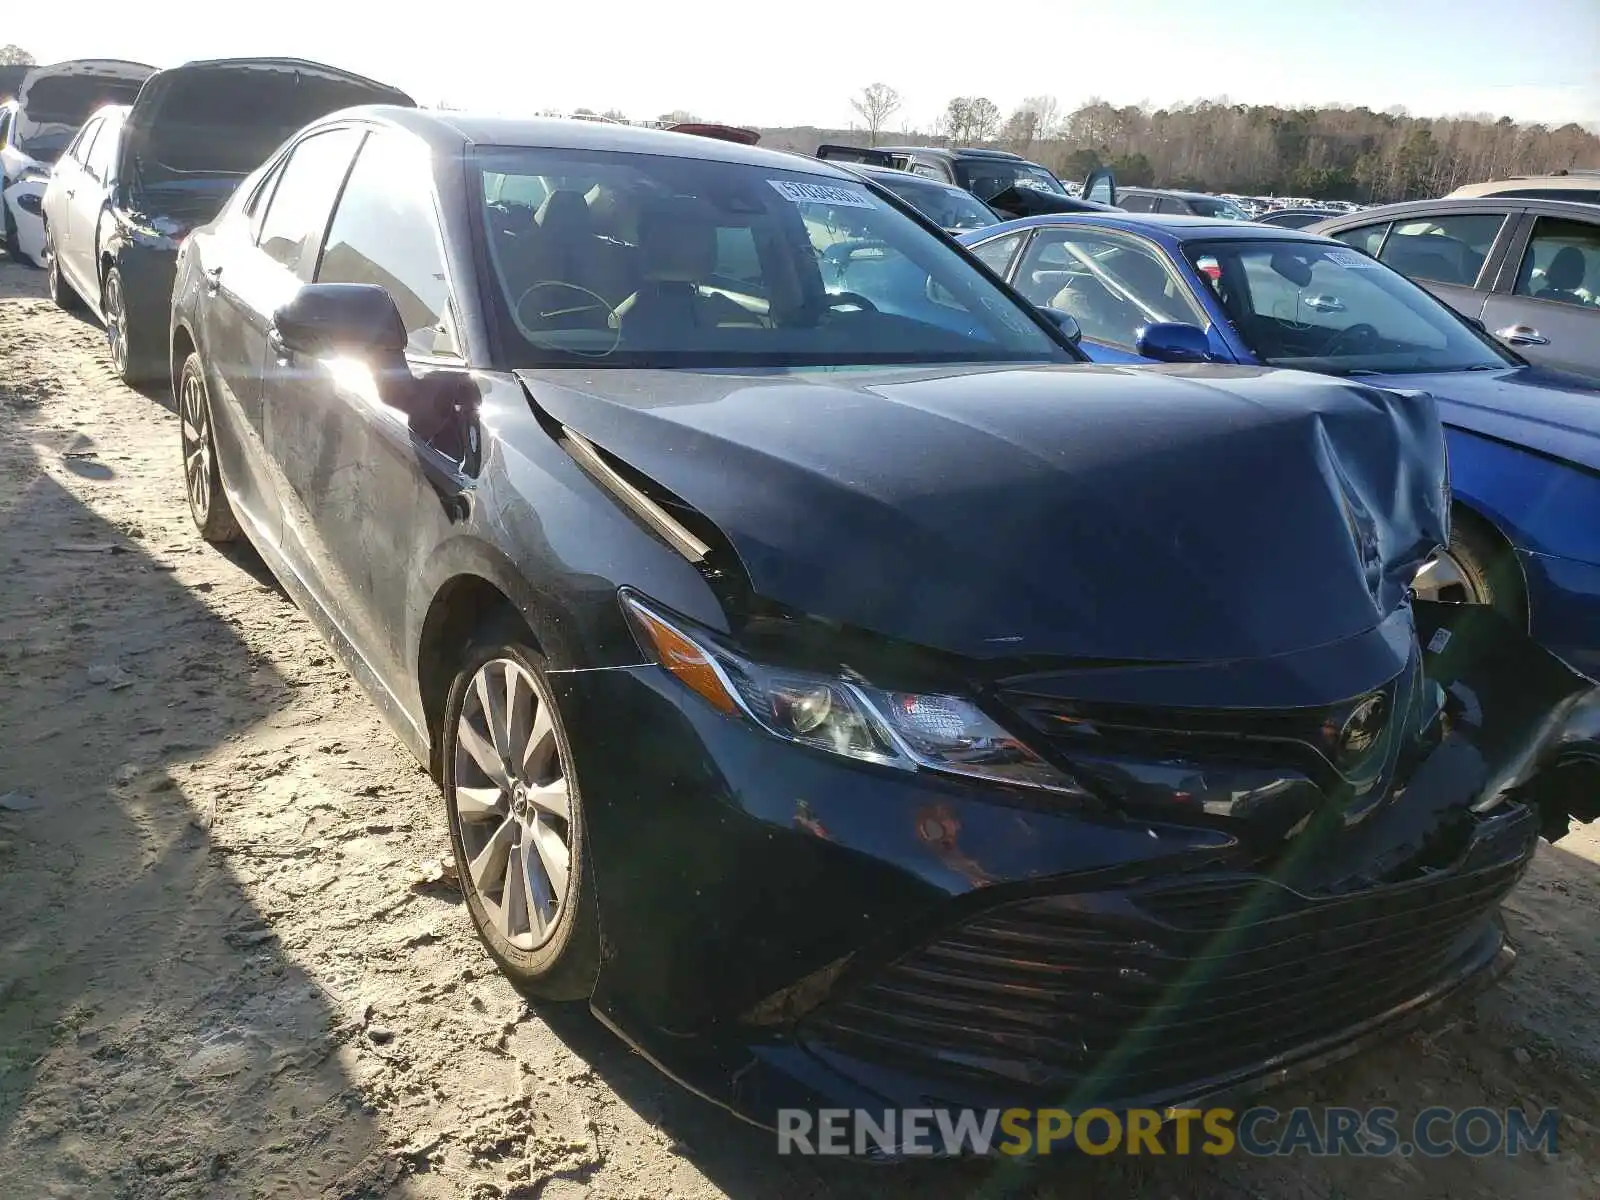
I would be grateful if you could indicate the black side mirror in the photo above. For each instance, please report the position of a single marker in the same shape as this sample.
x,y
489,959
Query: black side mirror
x,y
340,318
1170,341
1066,322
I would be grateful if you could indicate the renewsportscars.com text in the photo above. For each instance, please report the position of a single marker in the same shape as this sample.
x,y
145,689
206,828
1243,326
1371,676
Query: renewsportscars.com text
x,y
1259,1132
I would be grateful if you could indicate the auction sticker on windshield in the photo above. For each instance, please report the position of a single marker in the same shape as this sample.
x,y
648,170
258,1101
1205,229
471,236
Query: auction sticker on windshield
x,y
1350,258
821,193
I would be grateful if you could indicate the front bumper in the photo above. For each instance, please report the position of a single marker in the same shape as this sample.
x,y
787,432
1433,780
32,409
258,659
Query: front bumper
x,y
29,224
783,929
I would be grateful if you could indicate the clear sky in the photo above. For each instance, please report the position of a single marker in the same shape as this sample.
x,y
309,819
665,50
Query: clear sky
x,y
777,64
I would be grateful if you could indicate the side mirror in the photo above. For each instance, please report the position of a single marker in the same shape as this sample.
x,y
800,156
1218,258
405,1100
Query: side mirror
x,y
1169,341
340,318
1066,322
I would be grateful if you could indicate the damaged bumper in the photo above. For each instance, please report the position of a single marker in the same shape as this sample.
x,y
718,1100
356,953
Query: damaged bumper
x,y
782,929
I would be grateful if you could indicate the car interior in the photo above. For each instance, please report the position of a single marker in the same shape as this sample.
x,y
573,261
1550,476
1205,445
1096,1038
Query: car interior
x,y
1111,289
1562,263
612,258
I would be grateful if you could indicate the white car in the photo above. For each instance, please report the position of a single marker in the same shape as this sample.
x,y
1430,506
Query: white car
x,y
51,103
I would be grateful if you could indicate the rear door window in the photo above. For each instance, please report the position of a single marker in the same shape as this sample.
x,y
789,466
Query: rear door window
x,y
103,152
84,142
385,232
1443,249
996,254
1562,263
1366,238
297,213
1136,202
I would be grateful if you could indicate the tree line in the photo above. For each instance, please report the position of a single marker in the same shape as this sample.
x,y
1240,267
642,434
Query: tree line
x,y
1334,153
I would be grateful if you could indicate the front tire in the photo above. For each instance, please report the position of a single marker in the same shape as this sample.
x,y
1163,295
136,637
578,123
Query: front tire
x,y
208,503
1475,568
516,820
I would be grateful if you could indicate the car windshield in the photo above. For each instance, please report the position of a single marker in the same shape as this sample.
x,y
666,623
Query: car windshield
x,y
947,207
616,259
987,178
1333,309
1210,206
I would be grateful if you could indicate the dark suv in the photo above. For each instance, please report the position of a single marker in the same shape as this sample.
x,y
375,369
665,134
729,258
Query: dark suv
x,y
1191,204
1006,182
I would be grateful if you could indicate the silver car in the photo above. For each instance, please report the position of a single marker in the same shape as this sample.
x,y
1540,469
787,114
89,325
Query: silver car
x,y
1527,269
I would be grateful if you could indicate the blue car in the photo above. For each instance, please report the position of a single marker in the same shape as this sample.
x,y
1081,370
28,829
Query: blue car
x,y
1524,441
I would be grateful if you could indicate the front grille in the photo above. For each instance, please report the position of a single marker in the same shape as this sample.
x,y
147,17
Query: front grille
x,y
1147,994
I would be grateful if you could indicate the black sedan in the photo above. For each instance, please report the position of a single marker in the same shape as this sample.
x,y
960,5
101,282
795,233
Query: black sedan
x,y
858,701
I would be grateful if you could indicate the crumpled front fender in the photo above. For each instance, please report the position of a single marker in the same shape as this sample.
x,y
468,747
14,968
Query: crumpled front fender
x,y
1534,719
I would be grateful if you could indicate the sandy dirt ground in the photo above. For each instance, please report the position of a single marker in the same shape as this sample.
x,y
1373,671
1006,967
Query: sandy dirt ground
x,y
229,968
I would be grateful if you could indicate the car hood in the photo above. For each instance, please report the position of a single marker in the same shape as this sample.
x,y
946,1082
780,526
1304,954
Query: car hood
x,y
59,97
1553,413
1168,514
224,117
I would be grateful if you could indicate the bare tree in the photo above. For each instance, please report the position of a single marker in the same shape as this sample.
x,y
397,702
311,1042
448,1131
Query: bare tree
x,y
1047,114
15,56
678,116
983,119
876,104
1021,128
615,114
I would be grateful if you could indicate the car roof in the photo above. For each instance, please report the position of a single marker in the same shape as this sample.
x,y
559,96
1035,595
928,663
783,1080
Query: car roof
x,y
1577,210
453,132
959,152
1171,228
1586,181
1153,191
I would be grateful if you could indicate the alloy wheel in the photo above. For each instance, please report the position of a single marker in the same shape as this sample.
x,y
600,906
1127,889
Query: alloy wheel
x,y
512,804
116,315
1444,577
194,415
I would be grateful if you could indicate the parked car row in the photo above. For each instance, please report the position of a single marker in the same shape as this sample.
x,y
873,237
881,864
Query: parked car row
x,y
136,178
851,690
50,104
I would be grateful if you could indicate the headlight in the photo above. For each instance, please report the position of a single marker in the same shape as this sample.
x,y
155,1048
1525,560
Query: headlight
x,y
908,730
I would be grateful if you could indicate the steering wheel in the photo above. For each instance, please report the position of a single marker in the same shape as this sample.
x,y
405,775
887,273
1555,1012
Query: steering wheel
x,y
584,310
1361,332
847,300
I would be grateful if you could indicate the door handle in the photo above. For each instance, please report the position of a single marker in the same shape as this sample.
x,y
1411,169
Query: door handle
x,y
1522,335
213,279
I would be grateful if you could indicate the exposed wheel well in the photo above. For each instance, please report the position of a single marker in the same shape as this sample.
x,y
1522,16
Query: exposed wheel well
x,y
1505,566
182,347
106,263
460,608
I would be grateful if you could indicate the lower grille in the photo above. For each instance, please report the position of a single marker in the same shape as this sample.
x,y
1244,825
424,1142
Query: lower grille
x,y
1145,994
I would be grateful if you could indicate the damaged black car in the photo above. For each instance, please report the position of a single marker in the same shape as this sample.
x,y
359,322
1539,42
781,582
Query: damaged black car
x,y
859,699
135,180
